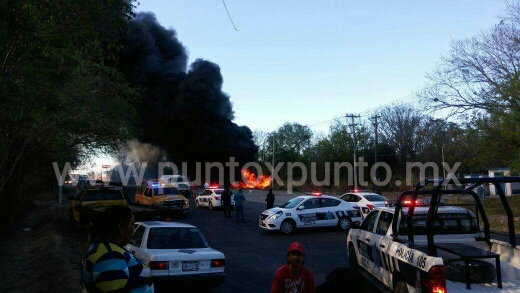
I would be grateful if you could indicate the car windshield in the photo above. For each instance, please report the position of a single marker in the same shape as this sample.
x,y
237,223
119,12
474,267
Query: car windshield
x,y
175,238
292,203
162,191
374,197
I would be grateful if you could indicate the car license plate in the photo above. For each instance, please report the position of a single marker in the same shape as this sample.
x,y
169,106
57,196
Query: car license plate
x,y
190,265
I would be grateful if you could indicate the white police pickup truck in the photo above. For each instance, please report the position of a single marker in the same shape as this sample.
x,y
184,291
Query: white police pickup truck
x,y
308,211
447,248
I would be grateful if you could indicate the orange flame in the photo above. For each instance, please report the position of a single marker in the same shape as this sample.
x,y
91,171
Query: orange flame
x,y
251,181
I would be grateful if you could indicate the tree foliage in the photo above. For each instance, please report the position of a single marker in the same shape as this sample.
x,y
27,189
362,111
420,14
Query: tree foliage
x,y
60,95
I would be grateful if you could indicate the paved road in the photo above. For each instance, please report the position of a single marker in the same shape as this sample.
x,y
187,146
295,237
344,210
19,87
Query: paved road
x,y
253,255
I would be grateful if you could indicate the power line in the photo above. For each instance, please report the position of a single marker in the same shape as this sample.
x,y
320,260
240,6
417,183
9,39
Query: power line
x,y
229,15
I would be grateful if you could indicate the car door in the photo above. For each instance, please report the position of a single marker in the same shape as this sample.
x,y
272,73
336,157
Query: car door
x,y
366,245
330,211
307,213
381,244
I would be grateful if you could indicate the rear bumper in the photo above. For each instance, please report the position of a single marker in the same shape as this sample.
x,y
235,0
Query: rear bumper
x,y
212,279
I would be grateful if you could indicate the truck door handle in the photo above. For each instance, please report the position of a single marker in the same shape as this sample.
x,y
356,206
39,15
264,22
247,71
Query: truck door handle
x,y
367,239
382,245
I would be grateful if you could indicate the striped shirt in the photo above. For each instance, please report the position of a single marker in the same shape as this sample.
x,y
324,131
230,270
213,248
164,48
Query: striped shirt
x,y
109,268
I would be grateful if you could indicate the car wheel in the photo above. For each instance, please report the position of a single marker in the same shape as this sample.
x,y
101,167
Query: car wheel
x,y
210,206
401,287
344,223
352,260
479,271
287,227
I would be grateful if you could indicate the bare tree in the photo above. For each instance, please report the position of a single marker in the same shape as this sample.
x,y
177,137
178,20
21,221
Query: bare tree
x,y
481,73
403,127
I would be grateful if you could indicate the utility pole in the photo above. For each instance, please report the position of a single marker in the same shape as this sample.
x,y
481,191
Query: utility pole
x,y
352,116
272,168
376,141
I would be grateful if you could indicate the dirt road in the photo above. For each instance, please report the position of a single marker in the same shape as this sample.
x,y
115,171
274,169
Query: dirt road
x,y
46,256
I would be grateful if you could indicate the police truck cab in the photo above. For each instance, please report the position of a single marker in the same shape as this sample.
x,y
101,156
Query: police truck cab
x,y
439,247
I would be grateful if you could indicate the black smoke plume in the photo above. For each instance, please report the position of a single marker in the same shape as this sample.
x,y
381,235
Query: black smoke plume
x,y
184,111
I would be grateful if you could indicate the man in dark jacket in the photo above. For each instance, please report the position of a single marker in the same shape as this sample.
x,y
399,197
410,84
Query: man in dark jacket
x,y
270,199
226,201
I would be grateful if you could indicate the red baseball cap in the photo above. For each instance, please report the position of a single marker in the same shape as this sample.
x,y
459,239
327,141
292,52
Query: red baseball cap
x,y
296,246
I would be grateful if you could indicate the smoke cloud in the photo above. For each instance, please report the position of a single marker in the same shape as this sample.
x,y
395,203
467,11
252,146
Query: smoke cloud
x,y
185,111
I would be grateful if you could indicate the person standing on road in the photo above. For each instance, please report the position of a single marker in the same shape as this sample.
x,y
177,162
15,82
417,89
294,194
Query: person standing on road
x,y
293,277
270,199
239,199
226,201
108,266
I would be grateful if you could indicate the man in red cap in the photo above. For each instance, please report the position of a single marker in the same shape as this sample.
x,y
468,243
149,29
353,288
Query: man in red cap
x,y
293,277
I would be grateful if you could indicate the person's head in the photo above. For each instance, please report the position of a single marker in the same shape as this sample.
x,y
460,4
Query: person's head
x,y
295,255
270,190
115,225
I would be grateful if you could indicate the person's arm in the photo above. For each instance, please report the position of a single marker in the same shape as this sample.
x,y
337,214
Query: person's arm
x,y
278,285
310,280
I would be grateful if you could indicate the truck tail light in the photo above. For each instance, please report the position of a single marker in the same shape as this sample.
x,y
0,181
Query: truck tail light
x,y
216,263
216,197
370,207
159,265
435,282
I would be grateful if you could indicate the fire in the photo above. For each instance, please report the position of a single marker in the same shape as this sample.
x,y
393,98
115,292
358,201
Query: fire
x,y
251,181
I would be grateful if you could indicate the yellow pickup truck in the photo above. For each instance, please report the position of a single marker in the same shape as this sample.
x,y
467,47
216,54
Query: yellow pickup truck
x,y
90,202
158,193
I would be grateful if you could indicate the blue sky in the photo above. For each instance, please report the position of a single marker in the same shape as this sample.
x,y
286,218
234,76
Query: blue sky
x,y
311,61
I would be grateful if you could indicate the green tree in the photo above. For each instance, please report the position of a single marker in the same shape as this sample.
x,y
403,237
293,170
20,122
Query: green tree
x,y
60,96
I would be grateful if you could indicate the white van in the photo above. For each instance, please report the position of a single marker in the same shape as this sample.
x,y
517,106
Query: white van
x,y
178,181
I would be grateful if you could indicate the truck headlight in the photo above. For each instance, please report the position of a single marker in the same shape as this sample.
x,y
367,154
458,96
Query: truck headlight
x,y
275,216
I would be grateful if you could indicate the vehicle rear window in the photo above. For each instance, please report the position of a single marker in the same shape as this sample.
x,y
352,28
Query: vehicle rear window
x,y
175,238
219,191
444,224
374,197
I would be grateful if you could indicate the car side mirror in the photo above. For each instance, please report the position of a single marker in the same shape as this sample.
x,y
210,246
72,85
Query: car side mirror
x,y
301,207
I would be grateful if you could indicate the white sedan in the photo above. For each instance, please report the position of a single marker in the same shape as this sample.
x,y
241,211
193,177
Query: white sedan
x,y
177,252
310,211
365,200
211,198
